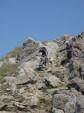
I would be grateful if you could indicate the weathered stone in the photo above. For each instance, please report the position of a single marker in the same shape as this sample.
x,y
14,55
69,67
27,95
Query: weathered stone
x,y
60,100
57,110
70,107
32,87
56,90
29,47
80,104
28,41
78,84
26,75
1,63
51,47
11,81
21,90
40,85
2,106
52,81
20,106
60,72
34,101
12,60
82,67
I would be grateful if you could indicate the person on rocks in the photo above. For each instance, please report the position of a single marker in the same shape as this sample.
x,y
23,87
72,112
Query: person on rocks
x,y
69,51
69,48
43,58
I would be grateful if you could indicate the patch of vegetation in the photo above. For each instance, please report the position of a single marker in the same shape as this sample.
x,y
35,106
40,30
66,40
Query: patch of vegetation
x,y
2,59
15,53
8,70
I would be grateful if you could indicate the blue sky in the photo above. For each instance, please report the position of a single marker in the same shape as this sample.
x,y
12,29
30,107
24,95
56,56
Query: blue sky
x,y
40,19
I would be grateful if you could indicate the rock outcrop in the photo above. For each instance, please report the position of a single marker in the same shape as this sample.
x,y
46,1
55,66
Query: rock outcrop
x,y
58,88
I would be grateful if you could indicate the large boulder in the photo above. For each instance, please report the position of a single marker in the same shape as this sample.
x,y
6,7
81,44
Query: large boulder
x,y
65,102
57,110
52,49
69,102
78,84
52,81
70,107
80,104
60,100
34,101
26,73
29,48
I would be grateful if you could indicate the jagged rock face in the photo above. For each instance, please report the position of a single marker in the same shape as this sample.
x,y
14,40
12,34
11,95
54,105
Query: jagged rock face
x,y
52,81
29,48
68,102
78,84
48,90
80,104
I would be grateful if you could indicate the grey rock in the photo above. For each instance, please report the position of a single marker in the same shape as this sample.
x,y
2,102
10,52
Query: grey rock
x,y
11,81
29,48
82,67
20,106
70,107
1,63
56,90
78,84
27,77
57,110
80,104
52,81
52,49
30,85
40,85
34,101
60,100
22,90
2,106
12,60
65,102
60,72
28,41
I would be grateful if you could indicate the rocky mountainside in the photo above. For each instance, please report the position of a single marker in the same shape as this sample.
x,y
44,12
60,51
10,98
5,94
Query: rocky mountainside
x,y
26,89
